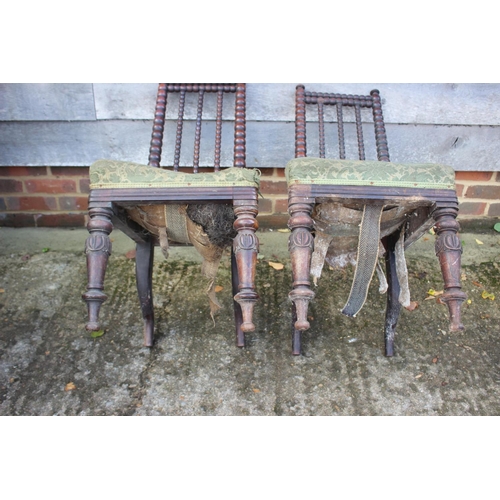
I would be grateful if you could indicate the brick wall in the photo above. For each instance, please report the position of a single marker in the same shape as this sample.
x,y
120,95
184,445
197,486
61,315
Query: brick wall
x,y
57,196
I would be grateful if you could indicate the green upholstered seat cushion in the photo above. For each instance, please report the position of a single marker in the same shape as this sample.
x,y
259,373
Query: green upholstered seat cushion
x,y
105,174
369,173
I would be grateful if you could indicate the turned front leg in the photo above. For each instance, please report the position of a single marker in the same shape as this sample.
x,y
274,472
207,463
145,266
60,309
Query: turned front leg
x,y
449,251
246,248
97,249
300,247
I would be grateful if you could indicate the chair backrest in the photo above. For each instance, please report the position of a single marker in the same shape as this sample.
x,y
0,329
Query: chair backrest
x,y
201,89
357,102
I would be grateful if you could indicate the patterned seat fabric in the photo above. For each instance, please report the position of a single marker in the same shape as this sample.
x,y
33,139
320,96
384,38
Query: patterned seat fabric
x,y
106,174
369,173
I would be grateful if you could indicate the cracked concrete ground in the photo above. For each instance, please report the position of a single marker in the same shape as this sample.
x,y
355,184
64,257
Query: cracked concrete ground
x,y
49,364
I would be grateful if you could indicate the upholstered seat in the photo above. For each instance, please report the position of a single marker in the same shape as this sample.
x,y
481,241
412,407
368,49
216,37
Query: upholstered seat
x,y
369,173
110,174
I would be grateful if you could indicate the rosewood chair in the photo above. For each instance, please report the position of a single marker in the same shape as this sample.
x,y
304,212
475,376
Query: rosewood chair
x,y
378,206
154,205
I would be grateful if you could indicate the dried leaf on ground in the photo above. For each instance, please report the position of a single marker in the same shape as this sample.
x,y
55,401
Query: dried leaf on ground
x,y
98,333
419,375
434,293
486,295
413,305
479,242
283,230
130,254
70,387
218,288
276,265
255,390
476,283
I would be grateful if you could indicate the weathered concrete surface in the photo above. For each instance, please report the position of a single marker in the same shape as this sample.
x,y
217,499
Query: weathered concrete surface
x,y
195,368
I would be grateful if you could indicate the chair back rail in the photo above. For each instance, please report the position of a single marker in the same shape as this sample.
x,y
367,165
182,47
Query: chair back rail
x,y
155,150
320,99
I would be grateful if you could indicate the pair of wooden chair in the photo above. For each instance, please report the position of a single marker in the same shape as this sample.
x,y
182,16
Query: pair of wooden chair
x,y
381,207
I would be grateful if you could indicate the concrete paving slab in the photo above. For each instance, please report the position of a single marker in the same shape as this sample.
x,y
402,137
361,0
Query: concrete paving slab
x,y
49,364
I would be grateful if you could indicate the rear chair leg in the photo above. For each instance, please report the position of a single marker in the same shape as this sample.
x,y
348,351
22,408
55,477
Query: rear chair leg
x,y
97,249
144,275
238,315
393,305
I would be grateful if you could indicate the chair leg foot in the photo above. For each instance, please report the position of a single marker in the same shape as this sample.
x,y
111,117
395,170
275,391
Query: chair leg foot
x,y
144,275
97,249
449,251
296,334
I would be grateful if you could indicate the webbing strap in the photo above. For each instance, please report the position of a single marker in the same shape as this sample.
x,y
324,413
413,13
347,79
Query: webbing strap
x,y
176,223
369,236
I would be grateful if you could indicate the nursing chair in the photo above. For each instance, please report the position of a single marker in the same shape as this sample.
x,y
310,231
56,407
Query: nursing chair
x,y
179,204
357,211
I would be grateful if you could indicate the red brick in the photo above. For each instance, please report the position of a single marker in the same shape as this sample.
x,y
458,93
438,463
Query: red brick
x,y
460,189
85,185
267,172
10,186
494,210
269,187
22,171
37,203
81,171
489,192
470,208
498,177
12,203
281,206
60,220
280,172
3,205
50,186
265,205
473,176
17,220
73,203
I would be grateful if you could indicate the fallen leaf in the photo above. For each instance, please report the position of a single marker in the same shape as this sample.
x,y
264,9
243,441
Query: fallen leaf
x,y
486,295
255,390
276,265
434,293
283,230
479,242
463,277
469,301
413,305
218,288
496,227
70,387
267,285
431,230
98,333
130,254
45,250
419,375
476,283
